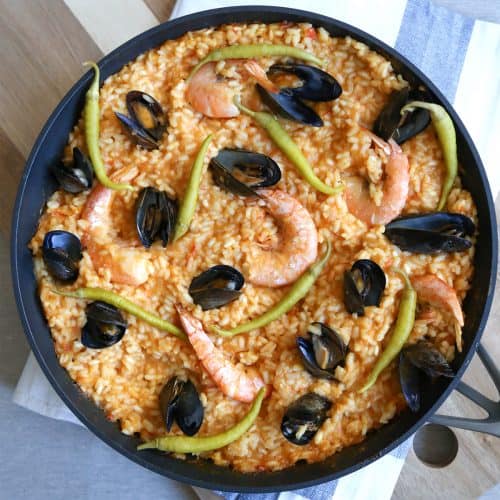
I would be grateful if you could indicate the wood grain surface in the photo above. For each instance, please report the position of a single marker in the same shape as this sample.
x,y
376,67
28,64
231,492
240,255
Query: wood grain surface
x,y
43,46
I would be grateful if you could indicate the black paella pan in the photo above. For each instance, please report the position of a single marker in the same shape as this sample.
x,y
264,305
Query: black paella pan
x,y
37,184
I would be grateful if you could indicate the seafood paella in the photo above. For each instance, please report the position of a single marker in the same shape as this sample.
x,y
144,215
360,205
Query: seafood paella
x,y
259,245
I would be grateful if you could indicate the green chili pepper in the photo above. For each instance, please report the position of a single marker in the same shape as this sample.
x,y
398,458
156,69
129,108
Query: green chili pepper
x,y
446,134
188,204
400,334
122,303
281,138
256,50
91,119
188,444
297,292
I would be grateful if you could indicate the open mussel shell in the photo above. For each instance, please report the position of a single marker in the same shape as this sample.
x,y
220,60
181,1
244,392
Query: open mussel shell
x,y
155,217
180,402
316,84
416,360
105,325
138,135
242,172
323,352
304,417
363,286
431,233
427,358
216,287
409,379
146,122
391,124
147,113
287,105
77,176
61,252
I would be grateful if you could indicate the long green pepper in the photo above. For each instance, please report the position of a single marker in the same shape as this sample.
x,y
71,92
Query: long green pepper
x,y
188,204
192,444
281,138
91,117
256,50
297,292
402,329
445,131
126,305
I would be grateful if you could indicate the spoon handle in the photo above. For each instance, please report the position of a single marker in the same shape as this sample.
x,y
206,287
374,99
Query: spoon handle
x,y
488,425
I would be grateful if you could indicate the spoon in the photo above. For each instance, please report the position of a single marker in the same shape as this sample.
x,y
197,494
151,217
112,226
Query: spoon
x,y
435,445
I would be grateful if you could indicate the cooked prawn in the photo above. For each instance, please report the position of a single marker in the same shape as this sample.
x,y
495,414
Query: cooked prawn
x,y
210,93
436,292
232,380
396,185
127,265
299,242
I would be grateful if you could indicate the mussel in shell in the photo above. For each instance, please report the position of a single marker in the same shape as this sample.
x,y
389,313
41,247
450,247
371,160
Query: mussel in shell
x,y
155,217
146,122
415,360
105,325
304,417
61,252
323,352
241,172
363,286
431,232
216,287
391,124
285,104
180,402
316,85
76,176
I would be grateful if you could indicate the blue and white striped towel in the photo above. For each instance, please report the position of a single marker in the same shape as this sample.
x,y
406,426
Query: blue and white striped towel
x,y
458,54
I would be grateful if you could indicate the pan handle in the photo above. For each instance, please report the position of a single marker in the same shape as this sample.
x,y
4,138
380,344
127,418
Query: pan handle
x,y
488,425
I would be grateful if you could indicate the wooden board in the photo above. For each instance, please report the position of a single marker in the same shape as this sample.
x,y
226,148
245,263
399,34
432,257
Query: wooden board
x,y
43,46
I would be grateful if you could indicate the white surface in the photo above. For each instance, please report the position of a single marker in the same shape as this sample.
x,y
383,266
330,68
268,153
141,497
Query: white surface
x,y
132,16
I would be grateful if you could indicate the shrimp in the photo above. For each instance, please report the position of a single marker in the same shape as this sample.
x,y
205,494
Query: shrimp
x,y
127,265
436,292
232,380
210,94
396,187
299,243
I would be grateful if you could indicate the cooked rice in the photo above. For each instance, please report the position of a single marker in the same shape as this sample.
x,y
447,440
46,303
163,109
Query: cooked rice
x,y
125,379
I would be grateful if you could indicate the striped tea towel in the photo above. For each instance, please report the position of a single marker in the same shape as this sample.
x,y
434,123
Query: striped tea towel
x,y
456,52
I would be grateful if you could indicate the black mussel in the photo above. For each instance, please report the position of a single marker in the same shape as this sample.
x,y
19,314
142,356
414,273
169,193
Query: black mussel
x,y
391,124
147,112
180,402
155,217
431,233
61,252
77,176
409,379
304,417
216,287
415,360
323,352
428,359
242,172
317,85
363,286
146,123
105,325
285,104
